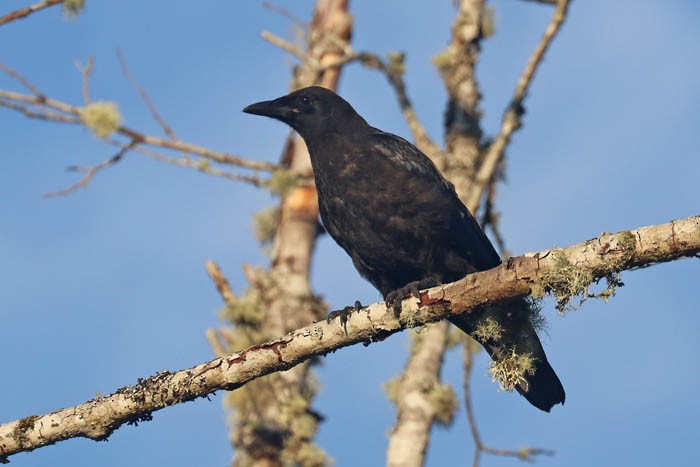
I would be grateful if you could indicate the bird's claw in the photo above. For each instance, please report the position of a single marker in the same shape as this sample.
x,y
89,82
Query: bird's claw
x,y
394,298
344,314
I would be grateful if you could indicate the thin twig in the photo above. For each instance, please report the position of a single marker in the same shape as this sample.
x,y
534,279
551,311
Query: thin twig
x,y
21,79
393,74
24,12
220,281
90,172
526,454
43,115
288,47
287,14
202,165
46,110
85,72
512,116
146,99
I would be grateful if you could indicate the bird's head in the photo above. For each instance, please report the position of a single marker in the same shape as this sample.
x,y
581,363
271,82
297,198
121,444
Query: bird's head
x,y
310,111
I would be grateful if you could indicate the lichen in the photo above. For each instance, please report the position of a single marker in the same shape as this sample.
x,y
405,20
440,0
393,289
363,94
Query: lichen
x,y
444,402
444,60
488,330
102,118
281,181
396,62
510,369
565,281
392,388
266,223
488,22
72,8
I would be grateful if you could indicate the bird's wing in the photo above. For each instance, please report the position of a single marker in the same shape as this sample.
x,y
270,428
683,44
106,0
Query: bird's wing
x,y
467,236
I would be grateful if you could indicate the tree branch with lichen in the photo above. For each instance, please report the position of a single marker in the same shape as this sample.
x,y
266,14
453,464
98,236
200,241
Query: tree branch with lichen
x,y
104,120
537,273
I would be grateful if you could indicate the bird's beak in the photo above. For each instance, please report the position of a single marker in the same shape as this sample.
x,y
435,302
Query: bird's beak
x,y
278,109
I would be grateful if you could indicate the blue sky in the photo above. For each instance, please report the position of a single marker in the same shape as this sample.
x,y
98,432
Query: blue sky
x,y
107,285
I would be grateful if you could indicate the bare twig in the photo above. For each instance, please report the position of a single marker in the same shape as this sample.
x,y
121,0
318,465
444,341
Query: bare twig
x,y
45,108
393,73
202,165
600,257
14,74
220,281
86,71
287,47
287,14
512,116
40,115
146,99
24,12
90,172
525,453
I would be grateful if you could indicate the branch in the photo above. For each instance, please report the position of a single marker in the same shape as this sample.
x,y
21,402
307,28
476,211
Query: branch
x,y
24,12
526,454
599,257
85,72
392,70
146,99
512,118
90,172
37,105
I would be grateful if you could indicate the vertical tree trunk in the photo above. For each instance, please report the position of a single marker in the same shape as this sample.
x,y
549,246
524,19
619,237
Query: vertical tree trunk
x,y
273,423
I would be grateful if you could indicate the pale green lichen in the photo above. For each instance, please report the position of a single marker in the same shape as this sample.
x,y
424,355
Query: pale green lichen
x,y
488,22
392,389
72,8
488,330
510,369
444,402
396,62
281,181
203,165
266,223
102,118
565,281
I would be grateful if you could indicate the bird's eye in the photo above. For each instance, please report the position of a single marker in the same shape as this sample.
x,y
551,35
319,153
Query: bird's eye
x,y
305,100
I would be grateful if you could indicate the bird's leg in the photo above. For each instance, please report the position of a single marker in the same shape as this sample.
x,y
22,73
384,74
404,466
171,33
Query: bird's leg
x,y
394,298
344,314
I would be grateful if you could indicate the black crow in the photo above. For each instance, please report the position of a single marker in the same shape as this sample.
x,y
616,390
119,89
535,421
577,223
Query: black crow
x,y
401,222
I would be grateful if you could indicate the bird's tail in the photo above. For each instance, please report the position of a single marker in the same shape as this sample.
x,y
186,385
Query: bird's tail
x,y
507,332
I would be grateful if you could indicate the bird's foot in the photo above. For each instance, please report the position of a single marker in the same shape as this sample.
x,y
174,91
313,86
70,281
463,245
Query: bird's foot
x,y
344,314
394,298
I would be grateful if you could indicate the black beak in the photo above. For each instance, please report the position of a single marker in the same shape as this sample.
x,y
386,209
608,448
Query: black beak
x,y
277,108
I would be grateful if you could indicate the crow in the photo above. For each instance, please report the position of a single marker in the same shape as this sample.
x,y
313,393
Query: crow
x,y
387,205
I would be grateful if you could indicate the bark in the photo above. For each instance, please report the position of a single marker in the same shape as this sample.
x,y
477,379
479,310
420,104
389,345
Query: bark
x,y
600,257
415,414
274,423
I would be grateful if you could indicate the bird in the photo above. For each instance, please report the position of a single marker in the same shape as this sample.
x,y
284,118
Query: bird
x,y
404,227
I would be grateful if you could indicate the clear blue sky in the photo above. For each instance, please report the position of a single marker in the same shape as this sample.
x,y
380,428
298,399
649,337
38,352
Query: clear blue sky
x,y
107,285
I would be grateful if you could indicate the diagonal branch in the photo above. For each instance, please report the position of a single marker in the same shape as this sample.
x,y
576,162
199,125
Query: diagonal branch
x,y
38,106
24,12
512,117
90,172
145,97
392,70
600,257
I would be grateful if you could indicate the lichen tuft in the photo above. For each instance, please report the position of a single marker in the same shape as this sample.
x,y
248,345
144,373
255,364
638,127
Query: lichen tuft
x,y
511,368
72,8
102,118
